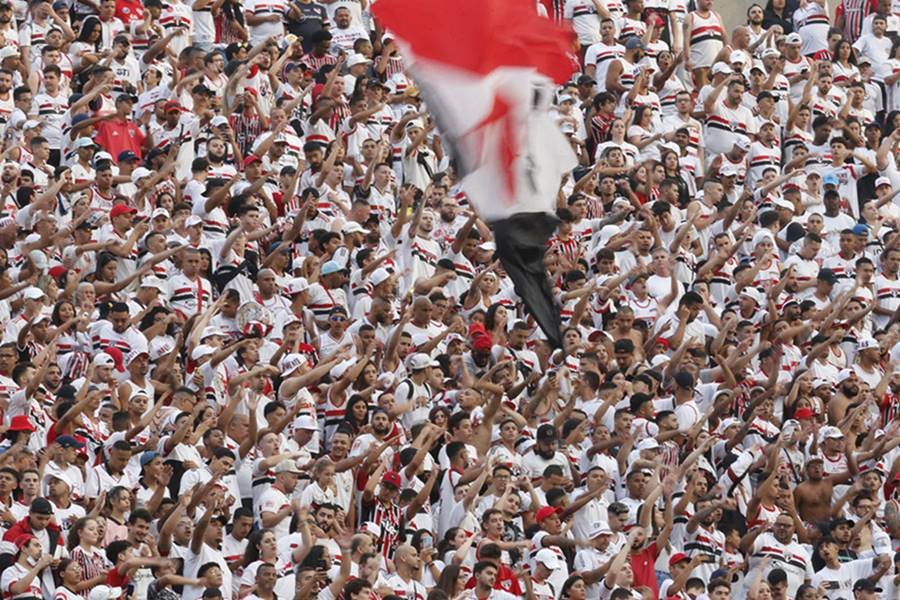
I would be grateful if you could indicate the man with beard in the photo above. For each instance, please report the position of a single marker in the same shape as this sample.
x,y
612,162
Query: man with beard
x,y
847,391
117,331
137,363
417,251
813,497
681,325
545,453
217,154
378,316
7,106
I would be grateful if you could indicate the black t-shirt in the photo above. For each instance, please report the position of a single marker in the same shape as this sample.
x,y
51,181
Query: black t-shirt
x,y
313,18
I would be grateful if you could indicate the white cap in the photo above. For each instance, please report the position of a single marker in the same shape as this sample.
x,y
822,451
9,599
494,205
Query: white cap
x,y
421,361
379,276
31,124
830,432
728,422
754,294
152,282
33,293
192,221
488,246
104,592
211,331
648,444
8,52
739,56
159,347
290,362
599,528
306,422
131,356
357,59
843,375
371,528
728,169
139,174
793,39
352,227
770,52
782,203
218,121
742,142
882,181
723,68
286,466
202,351
159,212
296,285
338,370
103,360
548,558
866,343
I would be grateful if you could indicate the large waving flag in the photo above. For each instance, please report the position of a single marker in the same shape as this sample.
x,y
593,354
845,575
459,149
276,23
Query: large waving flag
x,y
487,69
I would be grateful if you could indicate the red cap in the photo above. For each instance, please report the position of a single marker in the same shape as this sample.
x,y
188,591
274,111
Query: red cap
x,y
804,413
121,209
57,271
24,539
392,478
21,423
173,105
545,512
677,558
117,357
662,342
250,159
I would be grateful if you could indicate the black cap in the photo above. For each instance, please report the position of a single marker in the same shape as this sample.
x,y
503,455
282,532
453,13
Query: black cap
x,y
67,392
41,506
211,593
320,36
835,523
67,441
685,380
546,432
585,80
827,275
201,89
623,345
373,82
864,585
126,98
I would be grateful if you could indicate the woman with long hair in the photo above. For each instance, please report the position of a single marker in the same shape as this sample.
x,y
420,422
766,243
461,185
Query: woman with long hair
x,y
843,68
85,51
86,551
573,589
453,581
356,414
262,547
118,505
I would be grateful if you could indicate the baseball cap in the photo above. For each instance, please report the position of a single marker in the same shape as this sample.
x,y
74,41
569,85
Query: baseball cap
x,y
33,293
546,511
296,285
121,209
202,351
741,142
634,42
677,558
286,466
104,592
379,276
860,229
67,441
721,68
212,331
548,558
843,375
648,444
84,143
793,39
882,181
305,422
392,478
127,156
599,528
830,179
422,361
331,267
352,227
827,275
546,432
139,174
866,343
148,456
357,59
41,506
865,585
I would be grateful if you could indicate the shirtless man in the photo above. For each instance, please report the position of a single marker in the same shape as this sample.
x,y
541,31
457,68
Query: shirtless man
x,y
813,496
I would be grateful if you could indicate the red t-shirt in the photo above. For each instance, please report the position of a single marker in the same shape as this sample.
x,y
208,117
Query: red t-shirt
x,y
505,581
116,136
642,564
129,10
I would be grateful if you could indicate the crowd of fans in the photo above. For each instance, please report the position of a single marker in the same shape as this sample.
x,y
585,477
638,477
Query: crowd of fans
x,y
256,342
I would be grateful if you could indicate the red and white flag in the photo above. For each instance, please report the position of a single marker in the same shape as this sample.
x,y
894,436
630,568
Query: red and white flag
x,y
487,69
